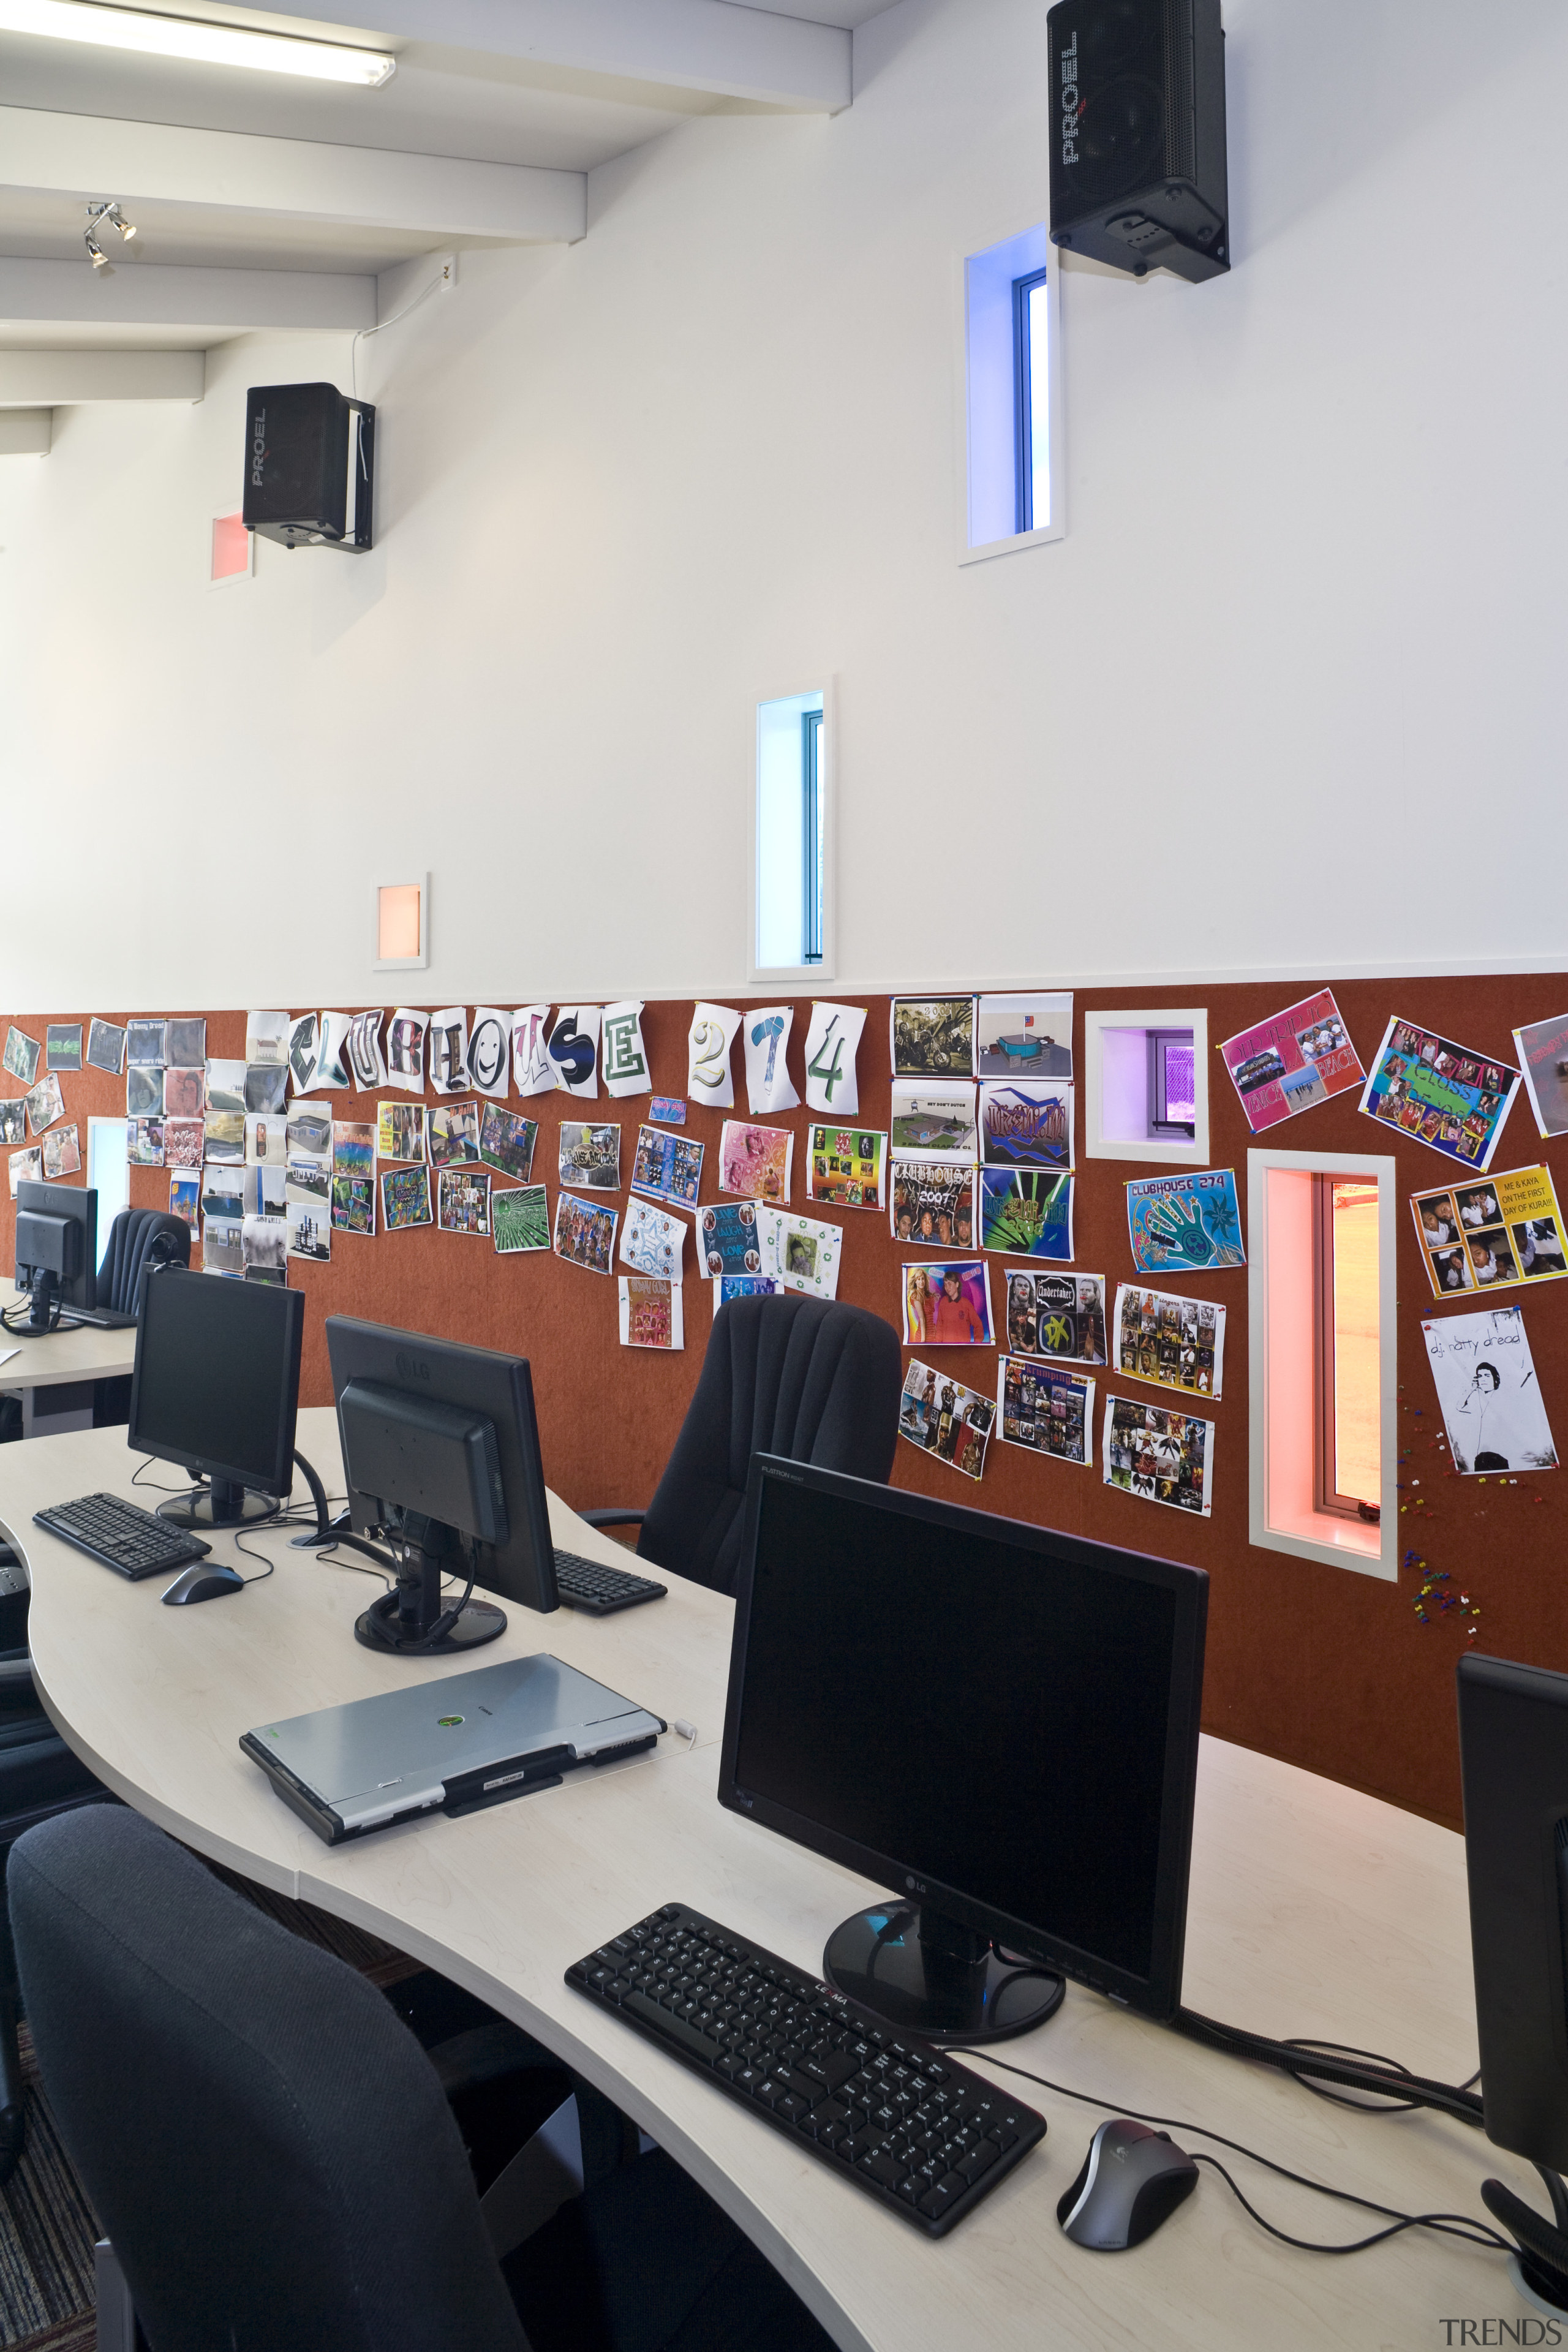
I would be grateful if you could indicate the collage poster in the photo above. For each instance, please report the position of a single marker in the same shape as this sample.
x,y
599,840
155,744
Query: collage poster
x,y
1186,1224
755,1162
1441,1094
1178,1343
849,1168
651,1312
933,1203
1159,1454
942,1417
1060,1315
1542,1048
1025,1212
1296,1058
1502,1228
1045,1408
1485,1383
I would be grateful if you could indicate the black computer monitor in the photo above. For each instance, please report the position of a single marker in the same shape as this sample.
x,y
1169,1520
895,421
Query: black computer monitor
x,y
996,1722
216,1387
56,1249
441,1459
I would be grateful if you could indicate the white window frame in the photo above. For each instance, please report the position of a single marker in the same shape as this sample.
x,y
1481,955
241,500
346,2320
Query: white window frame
x,y
1164,1150
1339,1542
799,974
420,962
978,363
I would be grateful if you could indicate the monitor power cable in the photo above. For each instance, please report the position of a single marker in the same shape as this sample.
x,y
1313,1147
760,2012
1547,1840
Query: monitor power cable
x,y
1466,2226
1314,2064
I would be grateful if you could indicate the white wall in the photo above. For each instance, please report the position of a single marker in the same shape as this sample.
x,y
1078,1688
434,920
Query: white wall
x,y
1288,696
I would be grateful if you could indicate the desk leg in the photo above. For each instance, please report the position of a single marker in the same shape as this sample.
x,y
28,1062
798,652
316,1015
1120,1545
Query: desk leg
x,y
51,1412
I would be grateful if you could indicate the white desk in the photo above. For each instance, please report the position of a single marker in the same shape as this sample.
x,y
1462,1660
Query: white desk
x,y
1314,1911
54,1374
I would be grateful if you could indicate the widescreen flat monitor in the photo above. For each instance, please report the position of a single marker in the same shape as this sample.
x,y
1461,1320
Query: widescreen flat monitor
x,y
216,1387
1513,1761
997,1723
472,1382
57,1237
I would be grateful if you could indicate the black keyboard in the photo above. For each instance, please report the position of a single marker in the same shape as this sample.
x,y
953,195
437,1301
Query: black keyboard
x,y
121,1536
588,1585
889,2110
98,1318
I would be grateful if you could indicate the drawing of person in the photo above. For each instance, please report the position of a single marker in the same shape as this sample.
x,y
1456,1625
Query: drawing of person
x,y
1488,1420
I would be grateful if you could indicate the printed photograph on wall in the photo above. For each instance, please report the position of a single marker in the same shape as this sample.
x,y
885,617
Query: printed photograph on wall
x,y
354,1205
263,1244
266,1140
405,1198
185,1091
463,1202
1159,1455
25,1167
62,1152
143,1092
144,1041
46,1103
184,1142
64,1044
932,1203
947,1305
185,1040
186,1200
1443,1095
1177,1343
1186,1224
143,1142
1492,1403
667,1166
105,1048
847,1167
1060,1315
21,1055
590,1156
1043,1407
1026,1212
651,1314
519,1218
266,1037
223,1247
267,1088
802,1251
14,1120
452,1132
933,1122
263,1191
507,1141
727,1239
1023,1036
310,1229
1294,1059
223,1134
755,1160
225,1085
400,1130
944,1418
1543,1049
584,1233
933,1036
1501,1229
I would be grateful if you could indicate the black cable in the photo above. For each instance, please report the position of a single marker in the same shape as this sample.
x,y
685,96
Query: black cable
x,y
1452,2225
1358,2245
147,1462
1385,2078
240,1545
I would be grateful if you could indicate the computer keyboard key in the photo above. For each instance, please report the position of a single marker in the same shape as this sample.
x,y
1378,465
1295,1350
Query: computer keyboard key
x,y
673,2029
883,2169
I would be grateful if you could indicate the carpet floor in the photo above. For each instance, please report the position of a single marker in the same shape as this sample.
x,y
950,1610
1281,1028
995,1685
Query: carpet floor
x,y
46,2227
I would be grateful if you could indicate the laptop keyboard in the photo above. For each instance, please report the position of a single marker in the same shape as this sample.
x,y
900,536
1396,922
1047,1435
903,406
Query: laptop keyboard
x,y
123,1536
589,1585
892,2113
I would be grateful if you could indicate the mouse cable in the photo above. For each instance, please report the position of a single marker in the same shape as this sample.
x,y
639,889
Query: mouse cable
x,y
1385,2078
1357,2245
1450,2225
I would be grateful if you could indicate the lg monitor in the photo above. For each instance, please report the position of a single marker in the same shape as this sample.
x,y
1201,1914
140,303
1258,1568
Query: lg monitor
x,y
216,1387
56,1250
441,1460
997,1723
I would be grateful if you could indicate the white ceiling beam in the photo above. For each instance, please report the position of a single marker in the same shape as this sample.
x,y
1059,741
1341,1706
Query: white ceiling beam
x,y
289,179
691,45
69,379
148,294
26,432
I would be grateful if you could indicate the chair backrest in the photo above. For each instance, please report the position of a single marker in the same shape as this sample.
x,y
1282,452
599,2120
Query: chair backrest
x,y
265,2143
136,1235
814,1379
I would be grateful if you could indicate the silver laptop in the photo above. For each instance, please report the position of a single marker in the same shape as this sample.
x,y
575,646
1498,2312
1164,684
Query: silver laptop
x,y
472,1740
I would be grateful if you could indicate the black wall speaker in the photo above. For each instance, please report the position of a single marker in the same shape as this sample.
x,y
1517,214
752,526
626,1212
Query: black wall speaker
x,y
310,465
1138,175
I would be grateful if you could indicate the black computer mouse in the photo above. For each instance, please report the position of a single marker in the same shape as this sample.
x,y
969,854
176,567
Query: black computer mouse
x,y
203,1580
1132,2180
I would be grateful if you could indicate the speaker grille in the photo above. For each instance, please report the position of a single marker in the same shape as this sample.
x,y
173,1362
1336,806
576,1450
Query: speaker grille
x,y
1123,130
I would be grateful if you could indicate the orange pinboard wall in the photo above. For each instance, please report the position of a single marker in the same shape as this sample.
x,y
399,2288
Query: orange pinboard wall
x,y
1321,1666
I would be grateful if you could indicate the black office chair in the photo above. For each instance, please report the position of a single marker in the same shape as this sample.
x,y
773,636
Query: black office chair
x,y
138,1239
272,2157
814,1379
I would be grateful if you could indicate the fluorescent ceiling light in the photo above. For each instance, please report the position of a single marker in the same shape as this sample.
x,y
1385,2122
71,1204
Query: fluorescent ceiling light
x,y
184,37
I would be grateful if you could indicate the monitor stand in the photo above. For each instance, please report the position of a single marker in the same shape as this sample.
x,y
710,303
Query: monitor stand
x,y
45,1315
223,1505
924,1973
411,1619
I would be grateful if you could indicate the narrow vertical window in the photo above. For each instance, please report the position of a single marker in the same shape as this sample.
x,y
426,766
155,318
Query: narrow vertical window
x,y
811,837
1031,399
1349,1447
792,924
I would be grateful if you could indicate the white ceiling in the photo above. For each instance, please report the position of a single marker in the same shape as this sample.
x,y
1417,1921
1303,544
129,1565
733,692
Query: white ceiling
x,y
543,87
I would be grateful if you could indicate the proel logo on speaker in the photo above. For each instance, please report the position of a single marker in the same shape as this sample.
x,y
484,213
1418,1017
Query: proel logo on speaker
x,y
1070,100
259,437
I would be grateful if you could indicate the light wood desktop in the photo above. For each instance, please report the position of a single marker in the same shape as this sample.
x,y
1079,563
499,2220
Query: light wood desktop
x,y
54,1374
1313,1911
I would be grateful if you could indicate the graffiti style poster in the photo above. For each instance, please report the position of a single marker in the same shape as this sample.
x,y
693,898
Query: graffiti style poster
x,y
1186,1224
1026,1126
1026,1212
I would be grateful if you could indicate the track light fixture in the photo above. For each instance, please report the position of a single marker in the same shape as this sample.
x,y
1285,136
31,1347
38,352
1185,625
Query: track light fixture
x,y
107,212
